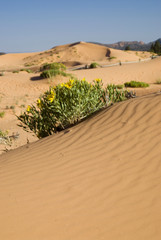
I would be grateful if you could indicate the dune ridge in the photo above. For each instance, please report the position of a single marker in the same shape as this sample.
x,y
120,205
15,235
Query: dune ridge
x,y
97,180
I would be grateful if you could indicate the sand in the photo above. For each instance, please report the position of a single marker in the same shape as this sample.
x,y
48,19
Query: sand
x,y
97,180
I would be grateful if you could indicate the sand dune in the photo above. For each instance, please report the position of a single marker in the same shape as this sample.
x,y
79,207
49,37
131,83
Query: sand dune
x,y
83,53
99,180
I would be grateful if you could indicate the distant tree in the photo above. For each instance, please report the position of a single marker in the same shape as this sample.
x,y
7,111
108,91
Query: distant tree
x,y
127,48
156,48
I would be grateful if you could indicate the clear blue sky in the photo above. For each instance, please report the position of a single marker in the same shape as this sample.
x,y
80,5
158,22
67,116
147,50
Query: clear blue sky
x,y
36,25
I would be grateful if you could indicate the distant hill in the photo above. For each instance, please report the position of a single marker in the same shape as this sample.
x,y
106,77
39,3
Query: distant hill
x,y
134,45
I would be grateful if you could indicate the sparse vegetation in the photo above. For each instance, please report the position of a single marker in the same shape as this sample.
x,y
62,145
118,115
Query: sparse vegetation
x,y
53,66
135,84
15,71
112,57
12,107
27,70
53,69
158,81
2,114
1,74
94,65
4,139
66,104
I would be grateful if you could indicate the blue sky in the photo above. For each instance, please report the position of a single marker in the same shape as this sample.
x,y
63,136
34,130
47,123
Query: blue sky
x,y
39,25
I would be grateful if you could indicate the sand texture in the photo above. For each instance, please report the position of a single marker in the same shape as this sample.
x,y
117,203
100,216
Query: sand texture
x,y
97,180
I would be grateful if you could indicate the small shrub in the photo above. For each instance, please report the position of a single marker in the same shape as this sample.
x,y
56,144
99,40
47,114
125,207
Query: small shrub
x,y
66,104
52,73
135,84
53,66
1,74
2,114
110,58
4,138
93,65
27,70
22,106
53,69
12,107
15,72
158,81
115,95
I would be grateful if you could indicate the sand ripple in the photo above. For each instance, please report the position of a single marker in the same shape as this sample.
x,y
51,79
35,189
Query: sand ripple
x,y
100,180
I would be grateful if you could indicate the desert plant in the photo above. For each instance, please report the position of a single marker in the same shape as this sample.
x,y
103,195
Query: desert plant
x,y
93,65
66,104
52,73
4,138
115,95
112,57
2,114
158,81
53,69
135,84
1,74
53,66
27,70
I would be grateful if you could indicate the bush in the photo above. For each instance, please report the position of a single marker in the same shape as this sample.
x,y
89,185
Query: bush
x,y
2,114
66,104
54,66
93,65
52,73
53,69
135,84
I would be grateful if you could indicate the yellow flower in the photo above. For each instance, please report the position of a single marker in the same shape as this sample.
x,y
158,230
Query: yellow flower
x,y
67,85
98,80
62,84
51,96
28,108
83,79
39,103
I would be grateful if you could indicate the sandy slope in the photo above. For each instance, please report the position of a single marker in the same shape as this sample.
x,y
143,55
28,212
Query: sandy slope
x,y
100,180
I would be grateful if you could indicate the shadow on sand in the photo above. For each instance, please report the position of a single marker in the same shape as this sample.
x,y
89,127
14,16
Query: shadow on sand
x,y
37,78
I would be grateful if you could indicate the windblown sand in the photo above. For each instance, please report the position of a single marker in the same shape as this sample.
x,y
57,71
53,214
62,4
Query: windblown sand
x,y
97,180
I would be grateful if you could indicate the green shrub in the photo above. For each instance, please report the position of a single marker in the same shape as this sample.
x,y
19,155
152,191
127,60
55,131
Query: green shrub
x,y
93,65
115,95
66,104
2,114
52,73
15,71
135,84
1,74
112,57
53,66
27,70
53,69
